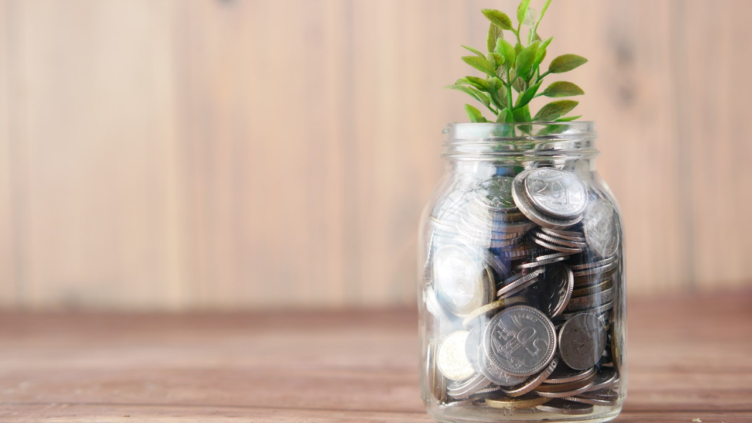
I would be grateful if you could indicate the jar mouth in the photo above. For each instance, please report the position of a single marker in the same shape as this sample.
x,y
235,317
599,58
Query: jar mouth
x,y
490,140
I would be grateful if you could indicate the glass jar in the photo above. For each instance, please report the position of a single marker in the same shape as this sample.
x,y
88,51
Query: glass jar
x,y
521,279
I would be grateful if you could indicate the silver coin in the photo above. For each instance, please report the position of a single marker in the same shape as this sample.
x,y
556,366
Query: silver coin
x,y
582,340
605,379
433,306
472,346
605,402
558,248
520,340
519,251
565,407
533,382
463,283
451,358
528,209
494,373
556,289
514,290
495,193
594,264
565,394
556,193
548,257
601,228
564,374
568,235
469,387
597,310
595,270
558,241
532,265
516,281
591,301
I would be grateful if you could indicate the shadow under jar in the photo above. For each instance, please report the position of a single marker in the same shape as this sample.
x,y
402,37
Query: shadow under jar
x,y
521,279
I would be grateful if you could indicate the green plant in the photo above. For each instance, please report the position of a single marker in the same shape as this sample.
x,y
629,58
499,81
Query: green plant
x,y
511,69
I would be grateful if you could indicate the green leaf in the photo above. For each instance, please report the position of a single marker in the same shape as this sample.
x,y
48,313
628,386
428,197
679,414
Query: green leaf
x,y
531,18
566,63
472,92
526,59
562,89
528,95
522,10
480,63
498,18
506,49
568,118
498,61
478,83
474,114
542,52
494,34
474,51
518,48
505,117
555,110
522,114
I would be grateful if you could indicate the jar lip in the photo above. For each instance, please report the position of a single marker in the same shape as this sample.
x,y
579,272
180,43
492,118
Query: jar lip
x,y
543,131
489,141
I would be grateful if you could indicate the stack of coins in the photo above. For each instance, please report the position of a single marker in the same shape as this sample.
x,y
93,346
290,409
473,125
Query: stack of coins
x,y
522,279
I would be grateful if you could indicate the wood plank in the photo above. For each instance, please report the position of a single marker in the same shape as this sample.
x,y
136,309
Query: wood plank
x,y
9,292
98,121
337,365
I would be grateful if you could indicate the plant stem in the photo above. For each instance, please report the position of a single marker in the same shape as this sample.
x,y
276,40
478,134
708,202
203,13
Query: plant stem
x,y
542,14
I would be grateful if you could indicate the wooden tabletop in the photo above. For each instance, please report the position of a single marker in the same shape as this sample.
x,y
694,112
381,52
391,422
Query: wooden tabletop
x,y
689,358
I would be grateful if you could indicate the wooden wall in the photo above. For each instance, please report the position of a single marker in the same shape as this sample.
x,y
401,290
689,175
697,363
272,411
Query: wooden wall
x,y
206,154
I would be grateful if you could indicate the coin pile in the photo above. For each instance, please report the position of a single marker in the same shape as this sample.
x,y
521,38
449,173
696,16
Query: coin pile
x,y
522,277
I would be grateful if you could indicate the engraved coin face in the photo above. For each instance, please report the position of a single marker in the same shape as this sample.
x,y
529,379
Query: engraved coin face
x,y
520,340
461,279
496,193
451,358
601,228
530,210
557,193
582,340
555,289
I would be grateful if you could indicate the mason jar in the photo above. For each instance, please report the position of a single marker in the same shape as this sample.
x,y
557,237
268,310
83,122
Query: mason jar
x,y
521,285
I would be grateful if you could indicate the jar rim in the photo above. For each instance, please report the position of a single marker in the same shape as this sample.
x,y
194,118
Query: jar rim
x,y
491,140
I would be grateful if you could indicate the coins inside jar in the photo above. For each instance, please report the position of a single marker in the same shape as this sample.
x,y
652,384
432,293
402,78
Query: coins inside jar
x,y
522,278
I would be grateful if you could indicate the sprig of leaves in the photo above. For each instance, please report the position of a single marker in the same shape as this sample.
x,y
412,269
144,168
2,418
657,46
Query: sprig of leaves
x,y
516,68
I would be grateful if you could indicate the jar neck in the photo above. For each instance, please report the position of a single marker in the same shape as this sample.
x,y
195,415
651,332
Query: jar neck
x,y
520,143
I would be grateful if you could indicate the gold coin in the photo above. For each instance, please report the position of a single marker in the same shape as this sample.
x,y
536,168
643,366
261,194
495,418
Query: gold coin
x,y
526,401
490,307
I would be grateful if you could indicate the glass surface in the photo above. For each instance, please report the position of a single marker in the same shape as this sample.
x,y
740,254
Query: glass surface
x,y
521,284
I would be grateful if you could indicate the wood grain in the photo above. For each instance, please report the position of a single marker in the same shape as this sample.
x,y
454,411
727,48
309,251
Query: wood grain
x,y
333,366
224,155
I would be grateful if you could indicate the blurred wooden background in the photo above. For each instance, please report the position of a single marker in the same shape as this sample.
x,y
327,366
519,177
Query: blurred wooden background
x,y
206,154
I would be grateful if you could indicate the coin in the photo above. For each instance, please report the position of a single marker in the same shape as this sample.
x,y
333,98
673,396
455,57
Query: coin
x,y
494,373
582,340
556,193
581,292
566,407
469,387
472,347
527,401
606,378
591,265
533,264
533,382
567,387
462,280
436,381
594,270
495,193
601,228
564,374
562,242
591,301
555,247
433,306
528,209
568,235
555,289
515,281
520,340
606,402
495,306
451,358
564,394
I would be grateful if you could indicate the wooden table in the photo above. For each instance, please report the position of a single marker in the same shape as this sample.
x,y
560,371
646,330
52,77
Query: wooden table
x,y
689,358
